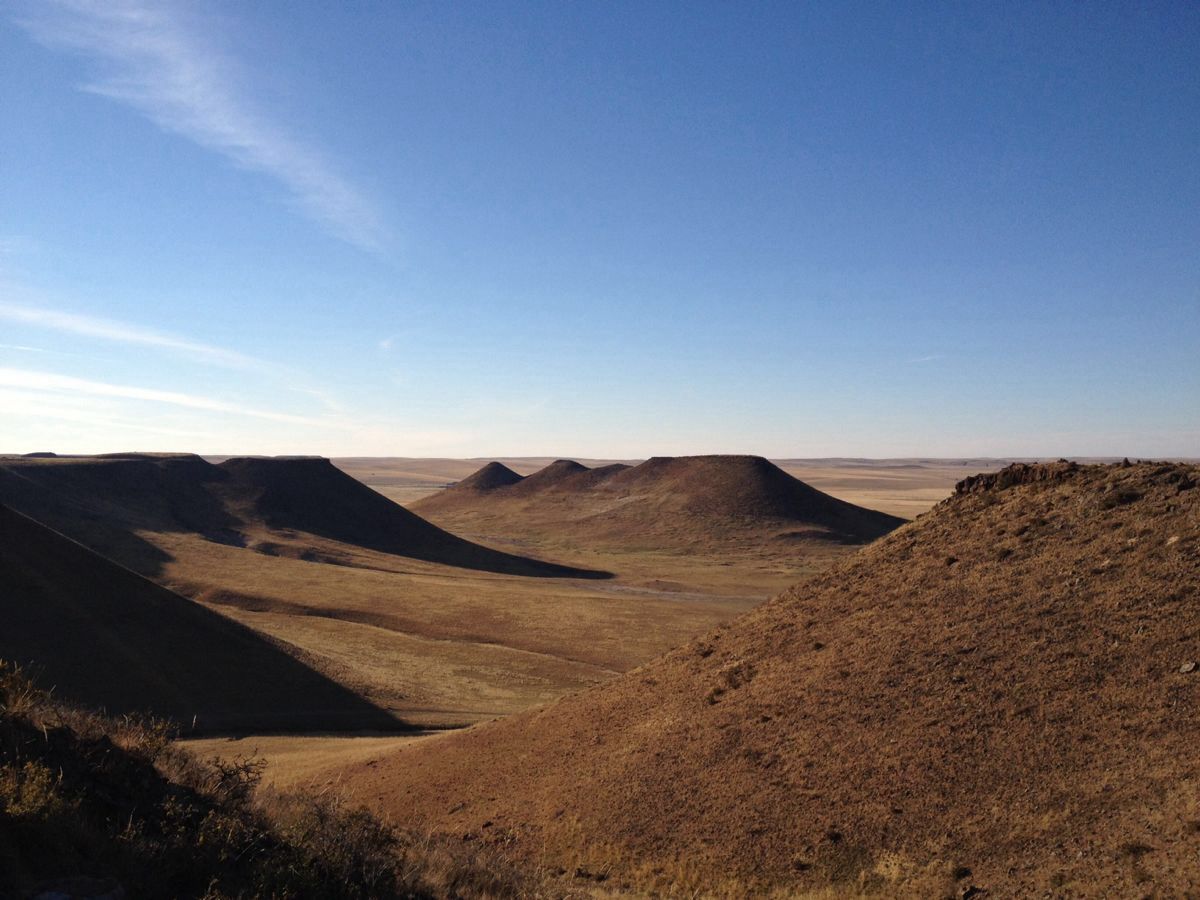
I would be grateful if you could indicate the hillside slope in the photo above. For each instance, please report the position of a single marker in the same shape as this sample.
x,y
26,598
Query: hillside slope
x,y
1003,693
113,503
314,496
493,475
102,636
676,501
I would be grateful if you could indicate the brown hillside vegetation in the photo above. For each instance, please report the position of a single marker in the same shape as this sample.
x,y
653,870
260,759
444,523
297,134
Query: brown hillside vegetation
x,y
683,502
108,502
105,637
1003,693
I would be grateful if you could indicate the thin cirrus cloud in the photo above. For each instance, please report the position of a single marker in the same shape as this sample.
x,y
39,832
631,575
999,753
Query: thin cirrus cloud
x,y
52,383
122,332
159,66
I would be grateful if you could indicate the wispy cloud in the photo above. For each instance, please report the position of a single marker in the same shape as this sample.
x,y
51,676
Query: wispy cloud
x,y
23,348
157,64
924,359
50,382
44,408
125,333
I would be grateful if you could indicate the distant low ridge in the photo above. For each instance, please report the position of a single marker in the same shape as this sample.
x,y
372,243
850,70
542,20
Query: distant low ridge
x,y
678,499
109,503
1003,696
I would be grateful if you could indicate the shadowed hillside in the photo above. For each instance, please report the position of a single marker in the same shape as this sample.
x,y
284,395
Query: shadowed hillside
x,y
111,503
105,637
1005,693
688,500
314,496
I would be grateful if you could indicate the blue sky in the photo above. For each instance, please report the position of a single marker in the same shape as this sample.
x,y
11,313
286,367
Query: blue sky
x,y
600,229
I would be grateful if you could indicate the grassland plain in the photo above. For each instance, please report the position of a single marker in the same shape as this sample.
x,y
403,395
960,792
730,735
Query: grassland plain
x,y
449,634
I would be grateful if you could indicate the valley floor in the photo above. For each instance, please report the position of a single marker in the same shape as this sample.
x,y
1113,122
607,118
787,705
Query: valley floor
x,y
442,648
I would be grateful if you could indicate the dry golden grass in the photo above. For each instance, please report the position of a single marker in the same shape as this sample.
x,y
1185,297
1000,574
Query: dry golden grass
x,y
439,646
436,645
308,762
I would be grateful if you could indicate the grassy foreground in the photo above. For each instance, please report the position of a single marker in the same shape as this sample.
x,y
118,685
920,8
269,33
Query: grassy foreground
x,y
91,805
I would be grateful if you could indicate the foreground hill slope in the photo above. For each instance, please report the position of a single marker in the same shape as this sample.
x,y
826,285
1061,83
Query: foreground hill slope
x,y
685,500
105,637
1005,692
112,503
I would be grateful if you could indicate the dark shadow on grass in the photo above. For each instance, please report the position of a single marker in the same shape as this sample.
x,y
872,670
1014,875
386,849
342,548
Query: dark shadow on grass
x,y
106,638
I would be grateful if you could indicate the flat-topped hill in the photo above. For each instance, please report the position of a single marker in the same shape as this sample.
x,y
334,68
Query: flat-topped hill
x,y
112,503
1004,693
105,637
687,499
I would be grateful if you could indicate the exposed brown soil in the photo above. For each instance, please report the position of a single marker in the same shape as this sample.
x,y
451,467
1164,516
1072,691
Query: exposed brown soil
x,y
1004,693
109,502
686,502
103,636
